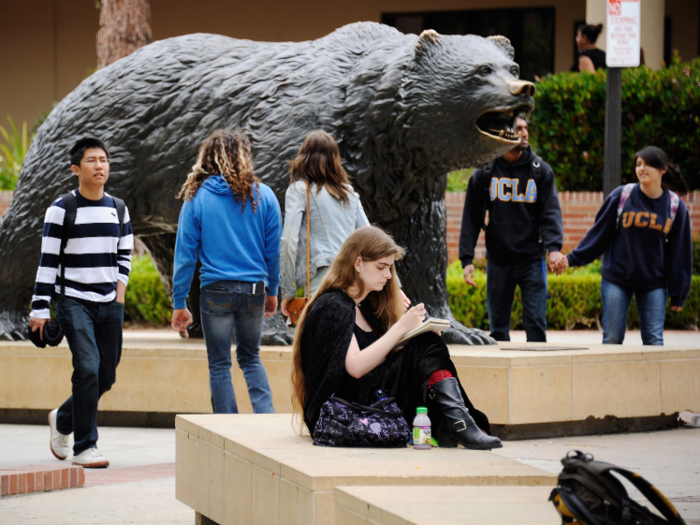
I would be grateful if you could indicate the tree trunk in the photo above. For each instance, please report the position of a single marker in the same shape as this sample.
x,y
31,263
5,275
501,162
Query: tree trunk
x,y
125,26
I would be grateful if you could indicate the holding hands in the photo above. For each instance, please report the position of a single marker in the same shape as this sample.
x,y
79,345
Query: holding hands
x,y
558,262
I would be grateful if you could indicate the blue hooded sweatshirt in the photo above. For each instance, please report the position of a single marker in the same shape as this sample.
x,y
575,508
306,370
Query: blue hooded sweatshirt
x,y
231,245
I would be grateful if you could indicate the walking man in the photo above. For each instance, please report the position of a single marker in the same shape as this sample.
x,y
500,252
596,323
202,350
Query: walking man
x,y
85,264
524,223
232,222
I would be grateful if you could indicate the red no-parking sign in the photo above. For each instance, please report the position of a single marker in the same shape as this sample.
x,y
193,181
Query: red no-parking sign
x,y
622,33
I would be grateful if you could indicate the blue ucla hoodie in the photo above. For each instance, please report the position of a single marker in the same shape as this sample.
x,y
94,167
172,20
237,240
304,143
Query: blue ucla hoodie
x,y
643,251
231,245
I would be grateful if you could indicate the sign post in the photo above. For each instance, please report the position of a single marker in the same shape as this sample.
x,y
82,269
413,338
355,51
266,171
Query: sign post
x,y
622,35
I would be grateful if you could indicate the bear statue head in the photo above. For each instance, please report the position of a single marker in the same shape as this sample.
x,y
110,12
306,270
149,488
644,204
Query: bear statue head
x,y
460,96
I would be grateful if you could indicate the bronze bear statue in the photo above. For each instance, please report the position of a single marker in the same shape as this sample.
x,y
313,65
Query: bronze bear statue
x,y
405,110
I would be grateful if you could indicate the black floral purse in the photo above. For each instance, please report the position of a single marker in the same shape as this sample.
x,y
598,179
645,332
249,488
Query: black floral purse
x,y
343,423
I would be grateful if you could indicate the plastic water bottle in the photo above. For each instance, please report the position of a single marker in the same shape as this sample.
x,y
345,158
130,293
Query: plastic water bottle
x,y
421,429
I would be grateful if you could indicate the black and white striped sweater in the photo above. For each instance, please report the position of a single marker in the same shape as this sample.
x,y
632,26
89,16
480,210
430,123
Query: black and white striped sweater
x,y
96,256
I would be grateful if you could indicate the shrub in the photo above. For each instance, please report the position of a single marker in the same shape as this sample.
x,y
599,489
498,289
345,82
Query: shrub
x,y
658,107
146,301
458,180
12,153
575,301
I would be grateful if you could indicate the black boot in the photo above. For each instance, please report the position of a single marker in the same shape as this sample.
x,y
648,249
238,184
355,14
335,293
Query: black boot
x,y
457,425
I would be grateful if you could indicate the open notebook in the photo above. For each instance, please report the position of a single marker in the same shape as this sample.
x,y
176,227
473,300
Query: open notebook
x,y
432,324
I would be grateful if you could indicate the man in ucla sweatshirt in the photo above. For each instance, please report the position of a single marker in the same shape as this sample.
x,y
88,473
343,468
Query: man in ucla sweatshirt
x,y
524,223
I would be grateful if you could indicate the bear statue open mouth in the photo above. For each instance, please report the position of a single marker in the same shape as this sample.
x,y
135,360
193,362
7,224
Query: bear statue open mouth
x,y
500,123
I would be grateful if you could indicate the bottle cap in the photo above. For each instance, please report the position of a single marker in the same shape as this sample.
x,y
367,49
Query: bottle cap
x,y
421,410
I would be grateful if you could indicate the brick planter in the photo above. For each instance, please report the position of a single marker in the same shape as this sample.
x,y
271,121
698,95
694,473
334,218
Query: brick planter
x,y
40,478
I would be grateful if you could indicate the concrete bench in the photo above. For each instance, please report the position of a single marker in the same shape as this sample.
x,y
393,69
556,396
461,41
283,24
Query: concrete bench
x,y
525,394
444,506
254,469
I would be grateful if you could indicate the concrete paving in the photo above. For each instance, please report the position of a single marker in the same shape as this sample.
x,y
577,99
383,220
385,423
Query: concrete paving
x,y
139,486
672,338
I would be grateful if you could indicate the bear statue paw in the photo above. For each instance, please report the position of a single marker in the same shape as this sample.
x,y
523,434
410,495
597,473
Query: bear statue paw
x,y
462,335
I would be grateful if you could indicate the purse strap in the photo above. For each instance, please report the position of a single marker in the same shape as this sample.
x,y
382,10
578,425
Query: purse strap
x,y
308,241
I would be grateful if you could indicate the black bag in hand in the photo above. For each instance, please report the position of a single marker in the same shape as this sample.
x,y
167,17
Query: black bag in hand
x,y
342,423
589,494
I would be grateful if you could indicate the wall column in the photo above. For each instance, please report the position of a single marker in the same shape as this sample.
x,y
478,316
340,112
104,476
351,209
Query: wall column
x,y
652,30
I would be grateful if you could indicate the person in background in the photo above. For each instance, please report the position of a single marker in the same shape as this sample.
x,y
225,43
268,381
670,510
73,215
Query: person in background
x,y
232,222
90,311
344,346
525,223
335,212
644,231
590,58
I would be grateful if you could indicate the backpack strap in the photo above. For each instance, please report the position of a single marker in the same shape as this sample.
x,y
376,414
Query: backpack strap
x,y
651,493
536,169
624,197
70,205
673,202
121,211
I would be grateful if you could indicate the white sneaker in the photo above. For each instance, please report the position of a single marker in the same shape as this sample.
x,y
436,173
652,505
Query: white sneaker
x,y
60,443
91,458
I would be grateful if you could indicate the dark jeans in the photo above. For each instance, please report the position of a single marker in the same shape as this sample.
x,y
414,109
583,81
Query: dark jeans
x,y
500,290
229,307
94,334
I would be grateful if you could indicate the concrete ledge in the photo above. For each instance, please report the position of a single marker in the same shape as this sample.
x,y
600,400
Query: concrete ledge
x,y
444,506
40,478
522,392
254,469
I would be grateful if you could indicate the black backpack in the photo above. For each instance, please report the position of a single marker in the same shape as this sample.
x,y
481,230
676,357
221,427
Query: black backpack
x,y
71,206
588,493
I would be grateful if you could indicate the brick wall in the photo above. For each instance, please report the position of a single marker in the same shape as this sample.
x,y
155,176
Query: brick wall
x,y
5,198
578,212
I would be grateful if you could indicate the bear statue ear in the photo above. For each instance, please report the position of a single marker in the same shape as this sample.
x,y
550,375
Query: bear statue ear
x,y
504,44
426,39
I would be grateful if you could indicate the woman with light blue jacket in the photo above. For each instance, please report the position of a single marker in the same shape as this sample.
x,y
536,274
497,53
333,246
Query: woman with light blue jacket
x,y
335,211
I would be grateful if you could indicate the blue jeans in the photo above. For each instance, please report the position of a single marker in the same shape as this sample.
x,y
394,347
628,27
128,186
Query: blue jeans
x,y
651,307
500,291
94,334
230,307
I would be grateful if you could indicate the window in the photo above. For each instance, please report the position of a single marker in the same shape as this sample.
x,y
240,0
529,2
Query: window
x,y
531,31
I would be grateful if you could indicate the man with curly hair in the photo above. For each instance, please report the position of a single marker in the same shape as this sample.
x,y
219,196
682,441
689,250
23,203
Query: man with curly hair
x,y
232,222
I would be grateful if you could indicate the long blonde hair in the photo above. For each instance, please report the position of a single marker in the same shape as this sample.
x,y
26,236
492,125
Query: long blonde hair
x,y
370,243
225,152
318,162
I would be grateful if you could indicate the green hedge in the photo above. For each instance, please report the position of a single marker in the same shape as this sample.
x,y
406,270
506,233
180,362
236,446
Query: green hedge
x,y
146,302
658,107
575,301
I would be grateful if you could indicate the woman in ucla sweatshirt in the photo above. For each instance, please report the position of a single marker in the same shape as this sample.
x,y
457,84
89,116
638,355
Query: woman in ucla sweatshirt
x,y
644,231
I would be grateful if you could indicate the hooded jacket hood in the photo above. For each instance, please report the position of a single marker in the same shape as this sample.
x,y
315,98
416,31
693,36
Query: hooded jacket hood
x,y
217,184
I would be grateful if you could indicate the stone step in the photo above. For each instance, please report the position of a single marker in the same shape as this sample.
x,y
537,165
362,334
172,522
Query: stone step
x,y
430,505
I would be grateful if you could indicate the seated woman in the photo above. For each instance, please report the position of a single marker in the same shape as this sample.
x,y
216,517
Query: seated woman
x,y
344,346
